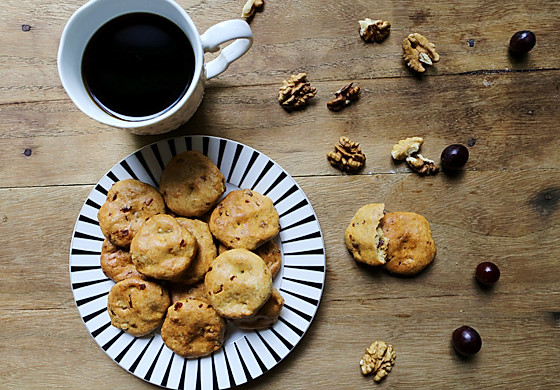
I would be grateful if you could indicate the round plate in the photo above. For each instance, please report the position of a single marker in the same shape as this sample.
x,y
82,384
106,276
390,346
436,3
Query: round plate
x,y
246,354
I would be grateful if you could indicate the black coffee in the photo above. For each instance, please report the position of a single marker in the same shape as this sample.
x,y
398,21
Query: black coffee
x,y
138,65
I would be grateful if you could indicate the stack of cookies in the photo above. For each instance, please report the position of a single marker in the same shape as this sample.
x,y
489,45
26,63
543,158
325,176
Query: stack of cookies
x,y
161,250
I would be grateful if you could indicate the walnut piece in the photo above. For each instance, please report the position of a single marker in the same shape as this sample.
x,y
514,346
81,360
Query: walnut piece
x,y
378,359
250,7
406,147
343,97
347,155
422,165
374,30
295,92
418,50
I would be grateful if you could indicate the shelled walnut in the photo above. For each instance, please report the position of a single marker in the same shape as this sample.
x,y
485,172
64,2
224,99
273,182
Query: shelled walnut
x,y
405,147
347,155
250,7
343,97
422,165
295,92
374,30
418,50
378,359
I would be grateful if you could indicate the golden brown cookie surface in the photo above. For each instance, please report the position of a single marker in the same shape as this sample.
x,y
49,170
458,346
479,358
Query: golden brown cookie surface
x,y
364,238
269,252
238,284
192,328
116,262
244,219
205,254
181,292
137,306
411,246
266,316
129,203
162,248
191,184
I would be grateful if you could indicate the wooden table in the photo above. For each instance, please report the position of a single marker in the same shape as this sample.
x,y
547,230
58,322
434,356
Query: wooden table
x,y
502,208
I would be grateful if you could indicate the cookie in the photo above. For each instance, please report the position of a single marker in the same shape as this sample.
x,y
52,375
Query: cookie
x,y
162,248
244,219
180,292
129,203
411,246
266,316
205,254
116,262
192,328
269,252
191,184
364,238
137,306
238,284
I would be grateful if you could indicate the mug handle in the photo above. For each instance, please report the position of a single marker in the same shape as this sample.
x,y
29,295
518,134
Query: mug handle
x,y
222,32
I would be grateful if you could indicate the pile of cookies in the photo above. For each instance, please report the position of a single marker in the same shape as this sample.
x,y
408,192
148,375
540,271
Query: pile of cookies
x,y
161,249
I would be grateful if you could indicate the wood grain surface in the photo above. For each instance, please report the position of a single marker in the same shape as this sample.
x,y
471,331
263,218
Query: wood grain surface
x,y
504,207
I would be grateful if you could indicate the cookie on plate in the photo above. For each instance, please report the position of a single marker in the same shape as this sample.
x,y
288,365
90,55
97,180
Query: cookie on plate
x,y
266,316
192,328
137,306
191,184
238,284
162,248
180,292
205,254
116,262
364,238
129,203
411,246
244,219
269,252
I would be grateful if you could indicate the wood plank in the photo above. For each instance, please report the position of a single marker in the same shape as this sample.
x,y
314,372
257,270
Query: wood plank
x,y
314,36
479,217
513,328
509,118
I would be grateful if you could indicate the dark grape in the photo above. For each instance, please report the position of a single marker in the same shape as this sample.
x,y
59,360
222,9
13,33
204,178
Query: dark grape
x,y
522,41
487,273
454,156
466,340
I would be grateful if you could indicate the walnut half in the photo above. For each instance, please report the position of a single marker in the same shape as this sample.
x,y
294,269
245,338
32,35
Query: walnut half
x,y
406,147
347,155
250,7
418,50
374,30
343,97
424,166
295,92
379,359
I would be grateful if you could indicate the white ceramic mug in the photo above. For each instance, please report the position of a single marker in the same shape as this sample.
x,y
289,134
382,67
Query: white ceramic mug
x,y
90,17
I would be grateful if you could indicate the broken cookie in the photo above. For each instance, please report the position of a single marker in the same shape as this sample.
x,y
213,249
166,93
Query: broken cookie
x,y
364,238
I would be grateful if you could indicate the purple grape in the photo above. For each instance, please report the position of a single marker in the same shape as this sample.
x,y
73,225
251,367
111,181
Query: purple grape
x,y
466,340
454,156
487,273
522,41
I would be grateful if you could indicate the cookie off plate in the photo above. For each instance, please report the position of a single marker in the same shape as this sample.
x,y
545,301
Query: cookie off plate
x,y
245,355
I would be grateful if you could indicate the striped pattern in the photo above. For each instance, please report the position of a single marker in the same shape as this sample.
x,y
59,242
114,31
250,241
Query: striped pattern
x,y
246,354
